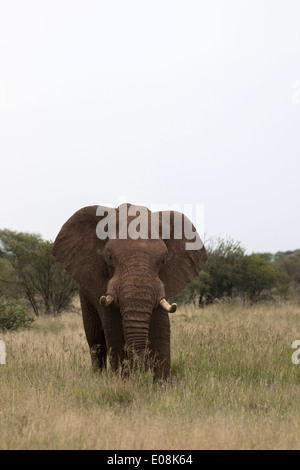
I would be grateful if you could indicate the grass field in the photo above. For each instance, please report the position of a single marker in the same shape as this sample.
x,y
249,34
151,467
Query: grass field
x,y
234,386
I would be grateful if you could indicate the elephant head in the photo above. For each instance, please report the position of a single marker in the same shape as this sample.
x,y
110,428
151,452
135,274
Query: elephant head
x,y
127,262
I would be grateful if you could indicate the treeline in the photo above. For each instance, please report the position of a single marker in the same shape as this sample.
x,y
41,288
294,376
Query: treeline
x,y
30,277
230,273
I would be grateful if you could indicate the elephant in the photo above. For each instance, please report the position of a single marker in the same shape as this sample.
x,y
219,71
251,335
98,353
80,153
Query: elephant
x,y
124,278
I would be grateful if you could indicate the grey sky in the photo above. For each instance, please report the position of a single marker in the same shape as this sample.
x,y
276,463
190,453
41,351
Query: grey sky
x,y
158,102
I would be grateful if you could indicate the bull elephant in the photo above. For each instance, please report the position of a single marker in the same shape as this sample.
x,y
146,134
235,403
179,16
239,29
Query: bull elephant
x,y
124,278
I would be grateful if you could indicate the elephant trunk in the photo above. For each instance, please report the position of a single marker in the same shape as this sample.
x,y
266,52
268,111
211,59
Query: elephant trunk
x,y
136,332
137,298
136,314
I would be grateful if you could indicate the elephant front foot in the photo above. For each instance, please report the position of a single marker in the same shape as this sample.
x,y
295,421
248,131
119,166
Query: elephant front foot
x,y
98,357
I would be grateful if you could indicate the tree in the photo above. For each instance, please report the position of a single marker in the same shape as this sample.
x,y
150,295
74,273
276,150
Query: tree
x,y
230,272
289,262
8,280
36,275
218,276
258,274
224,259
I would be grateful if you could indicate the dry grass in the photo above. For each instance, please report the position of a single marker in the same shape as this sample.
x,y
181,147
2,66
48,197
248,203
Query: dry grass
x,y
234,386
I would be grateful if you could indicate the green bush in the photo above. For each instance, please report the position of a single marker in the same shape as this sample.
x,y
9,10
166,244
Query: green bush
x,y
13,317
230,273
28,270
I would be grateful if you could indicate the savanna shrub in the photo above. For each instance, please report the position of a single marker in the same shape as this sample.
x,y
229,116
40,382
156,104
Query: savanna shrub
x,y
13,317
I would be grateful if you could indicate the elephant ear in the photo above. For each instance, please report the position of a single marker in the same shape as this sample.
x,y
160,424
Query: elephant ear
x,y
79,250
186,252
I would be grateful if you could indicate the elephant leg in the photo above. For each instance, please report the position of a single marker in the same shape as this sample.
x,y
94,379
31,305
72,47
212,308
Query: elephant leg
x,y
94,333
159,339
112,324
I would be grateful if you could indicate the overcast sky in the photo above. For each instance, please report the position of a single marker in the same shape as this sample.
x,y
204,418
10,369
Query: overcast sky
x,y
152,102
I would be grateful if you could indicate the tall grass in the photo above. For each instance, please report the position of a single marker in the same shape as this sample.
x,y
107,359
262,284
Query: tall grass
x,y
234,386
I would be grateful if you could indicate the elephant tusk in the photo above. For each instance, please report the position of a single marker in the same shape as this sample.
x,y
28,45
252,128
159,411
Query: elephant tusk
x,y
106,300
169,308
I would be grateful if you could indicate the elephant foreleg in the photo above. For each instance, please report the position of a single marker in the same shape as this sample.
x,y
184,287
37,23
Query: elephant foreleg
x,y
94,333
159,339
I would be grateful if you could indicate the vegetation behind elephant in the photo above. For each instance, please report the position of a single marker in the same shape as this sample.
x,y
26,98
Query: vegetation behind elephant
x,y
124,277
